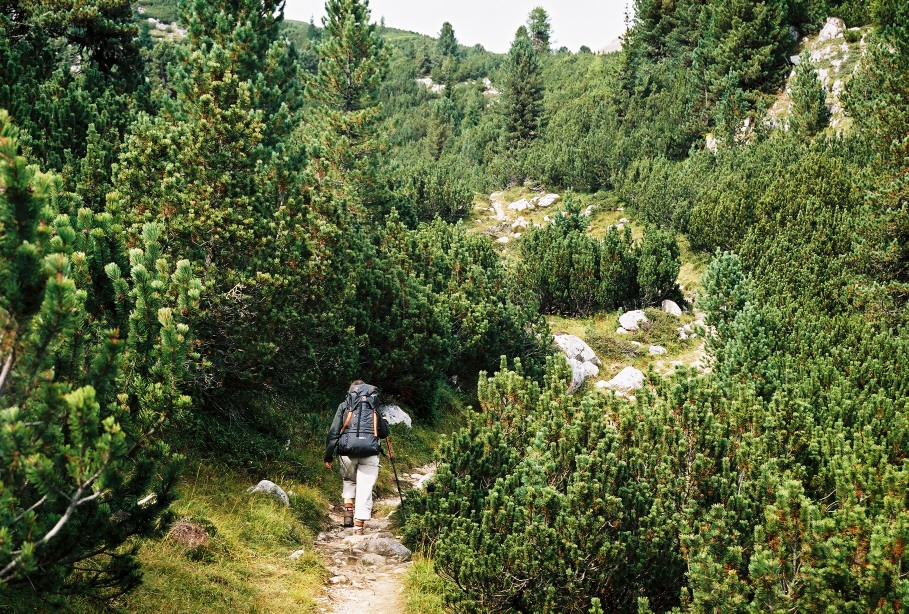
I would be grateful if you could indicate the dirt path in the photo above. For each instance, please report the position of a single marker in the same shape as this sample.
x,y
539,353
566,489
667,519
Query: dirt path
x,y
367,571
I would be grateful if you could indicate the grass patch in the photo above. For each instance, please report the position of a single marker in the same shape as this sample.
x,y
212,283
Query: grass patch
x,y
617,351
245,567
424,589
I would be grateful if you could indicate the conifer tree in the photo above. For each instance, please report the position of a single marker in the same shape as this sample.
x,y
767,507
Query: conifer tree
x,y
218,172
540,29
352,66
749,39
447,44
809,100
878,100
658,265
94,364
523,96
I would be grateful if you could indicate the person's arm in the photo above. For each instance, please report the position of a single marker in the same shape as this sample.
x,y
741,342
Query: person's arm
x,y
334,434
382,426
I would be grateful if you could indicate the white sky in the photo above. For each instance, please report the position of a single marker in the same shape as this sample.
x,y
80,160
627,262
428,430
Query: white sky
x,y
492,23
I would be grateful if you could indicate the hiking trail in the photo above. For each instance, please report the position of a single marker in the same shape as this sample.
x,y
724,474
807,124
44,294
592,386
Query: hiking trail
x,y
367,571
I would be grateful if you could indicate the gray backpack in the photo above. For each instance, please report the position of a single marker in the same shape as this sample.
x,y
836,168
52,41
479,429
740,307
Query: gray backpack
x,y
361,429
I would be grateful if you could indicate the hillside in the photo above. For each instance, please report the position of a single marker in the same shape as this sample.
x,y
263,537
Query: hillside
x,y
638,317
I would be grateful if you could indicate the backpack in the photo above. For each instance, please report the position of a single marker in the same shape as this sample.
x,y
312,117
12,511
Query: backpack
x,y
360,432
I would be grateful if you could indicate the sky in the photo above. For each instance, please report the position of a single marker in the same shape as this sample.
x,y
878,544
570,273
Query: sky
x,y
492,23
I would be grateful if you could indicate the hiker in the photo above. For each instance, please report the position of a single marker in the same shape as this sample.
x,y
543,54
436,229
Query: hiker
x,y
355,435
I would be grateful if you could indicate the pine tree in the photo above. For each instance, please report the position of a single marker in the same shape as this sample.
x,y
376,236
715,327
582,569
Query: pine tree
x,y
523,96
878,100
218,171
539,29
352,66
94,363
658,265
809,100
447,44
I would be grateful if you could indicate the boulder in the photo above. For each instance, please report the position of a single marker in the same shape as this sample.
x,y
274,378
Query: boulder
x,y
627,380
268,487
338,580
632,320
296,554
575,347
671,307
656,350
833,28
503,240
547,200
589,210
371,559
395,415
388,548
520,205
621,331
578,375
519,223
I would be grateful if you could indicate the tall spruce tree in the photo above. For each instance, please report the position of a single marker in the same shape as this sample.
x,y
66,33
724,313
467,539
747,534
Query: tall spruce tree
x,y
352,66
523,96
540,29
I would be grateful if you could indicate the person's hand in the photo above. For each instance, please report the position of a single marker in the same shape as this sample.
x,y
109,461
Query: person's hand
x,y
328,465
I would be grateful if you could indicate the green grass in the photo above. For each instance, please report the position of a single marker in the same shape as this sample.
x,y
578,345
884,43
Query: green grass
x,y
618,351
424,589
245,567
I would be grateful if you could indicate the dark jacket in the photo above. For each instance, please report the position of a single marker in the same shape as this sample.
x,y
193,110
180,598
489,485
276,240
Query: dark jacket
x,y
334,432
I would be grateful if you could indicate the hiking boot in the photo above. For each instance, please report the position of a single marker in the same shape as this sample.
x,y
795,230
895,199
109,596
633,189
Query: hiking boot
x,y
348,516
360,527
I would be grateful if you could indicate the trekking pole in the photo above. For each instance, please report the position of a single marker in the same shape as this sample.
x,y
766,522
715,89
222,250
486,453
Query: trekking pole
x,y
391,457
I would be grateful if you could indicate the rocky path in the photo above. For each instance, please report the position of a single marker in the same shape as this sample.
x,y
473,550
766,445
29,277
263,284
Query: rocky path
x,y
367,571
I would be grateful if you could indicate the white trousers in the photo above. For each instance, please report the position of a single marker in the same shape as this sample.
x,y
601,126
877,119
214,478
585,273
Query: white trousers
x,y
360,475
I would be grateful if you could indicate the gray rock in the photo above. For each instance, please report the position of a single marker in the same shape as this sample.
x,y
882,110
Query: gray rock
x,y
794,34
621,331
296,554
268,487
520,205
671,307
372,559
395,415
627,380
389,548
833,28
632,320
656,350
547,200
338,580
574,347
578,375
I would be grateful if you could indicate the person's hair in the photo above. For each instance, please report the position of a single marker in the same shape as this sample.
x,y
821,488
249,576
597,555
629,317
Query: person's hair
x,y
356,382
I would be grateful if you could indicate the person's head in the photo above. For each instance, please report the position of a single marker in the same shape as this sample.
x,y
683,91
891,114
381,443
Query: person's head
x,y
357,382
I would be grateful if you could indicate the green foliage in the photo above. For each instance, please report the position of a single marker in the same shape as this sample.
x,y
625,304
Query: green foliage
x,y
523,90
539,29
569,272
658,266
95,363
809,100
